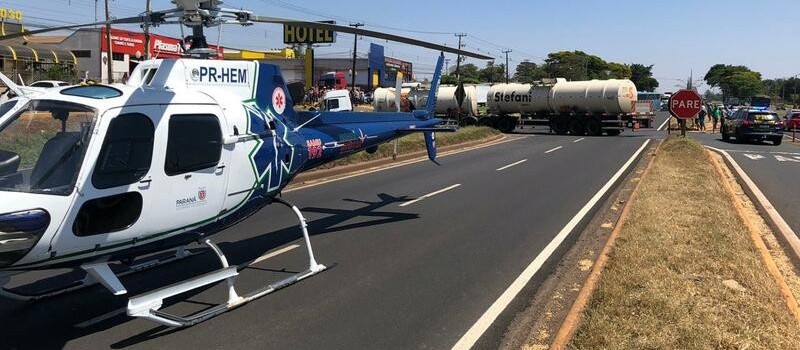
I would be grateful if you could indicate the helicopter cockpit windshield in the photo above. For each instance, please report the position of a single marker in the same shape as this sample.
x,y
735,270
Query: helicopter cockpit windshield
x,y
42,147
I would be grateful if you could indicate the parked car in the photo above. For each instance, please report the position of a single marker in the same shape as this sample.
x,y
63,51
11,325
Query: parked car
x,y
49,83
792,119
754,123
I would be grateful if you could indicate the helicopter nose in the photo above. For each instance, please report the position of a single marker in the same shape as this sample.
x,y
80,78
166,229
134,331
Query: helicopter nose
x,y
19,233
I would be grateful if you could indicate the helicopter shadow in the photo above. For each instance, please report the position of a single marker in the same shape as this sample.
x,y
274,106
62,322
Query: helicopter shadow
x,y
83,313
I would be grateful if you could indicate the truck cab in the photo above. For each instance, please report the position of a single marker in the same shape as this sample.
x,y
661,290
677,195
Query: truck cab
x,y
336,101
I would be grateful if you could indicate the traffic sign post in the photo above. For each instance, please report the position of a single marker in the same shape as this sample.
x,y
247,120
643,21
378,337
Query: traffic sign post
x,y
685,104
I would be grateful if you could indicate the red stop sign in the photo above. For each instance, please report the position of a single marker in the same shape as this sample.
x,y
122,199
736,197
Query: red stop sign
x,y
685,104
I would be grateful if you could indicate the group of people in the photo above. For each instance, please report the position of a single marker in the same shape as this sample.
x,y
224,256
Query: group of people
x,y
714,112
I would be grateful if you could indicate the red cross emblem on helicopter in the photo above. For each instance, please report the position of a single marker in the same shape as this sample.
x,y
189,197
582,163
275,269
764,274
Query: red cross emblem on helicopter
x,y
279,100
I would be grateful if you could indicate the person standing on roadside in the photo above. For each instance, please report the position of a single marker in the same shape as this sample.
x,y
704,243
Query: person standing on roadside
x,y
701,119
715,117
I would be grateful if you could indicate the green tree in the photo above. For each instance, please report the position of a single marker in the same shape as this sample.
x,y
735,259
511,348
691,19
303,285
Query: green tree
x,y
493,73
470,74
642,77
578,65
528,72
743,84
734,81
617,71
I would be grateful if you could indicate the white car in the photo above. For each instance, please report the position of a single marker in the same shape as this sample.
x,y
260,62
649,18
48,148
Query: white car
x,y
49,83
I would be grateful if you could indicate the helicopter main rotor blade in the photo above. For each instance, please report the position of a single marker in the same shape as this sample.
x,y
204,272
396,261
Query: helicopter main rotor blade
x,y
369,33
126,20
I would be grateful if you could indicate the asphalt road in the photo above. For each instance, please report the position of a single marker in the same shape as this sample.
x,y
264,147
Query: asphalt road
x,y
774,169
406,277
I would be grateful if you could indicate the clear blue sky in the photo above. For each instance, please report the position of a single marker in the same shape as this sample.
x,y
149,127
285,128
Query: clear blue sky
x,y
675,36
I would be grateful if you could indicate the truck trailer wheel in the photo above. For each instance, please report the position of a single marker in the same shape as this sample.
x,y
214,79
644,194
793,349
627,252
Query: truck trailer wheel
x,y
468,121
576,127
560,127
486,121
593,127
506,124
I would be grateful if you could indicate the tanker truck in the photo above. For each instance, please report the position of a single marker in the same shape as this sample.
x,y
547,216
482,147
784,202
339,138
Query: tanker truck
x,y
446,103
589,107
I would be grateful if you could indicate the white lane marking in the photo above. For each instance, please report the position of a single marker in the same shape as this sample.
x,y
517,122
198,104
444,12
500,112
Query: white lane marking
x,y
376,169
579,140
469,338
664,123
554,149
102,318
786,159
429,195
754,152
512,164
275,253
754,156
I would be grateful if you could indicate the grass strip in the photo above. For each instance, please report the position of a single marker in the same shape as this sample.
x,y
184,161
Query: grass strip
x,y
684,273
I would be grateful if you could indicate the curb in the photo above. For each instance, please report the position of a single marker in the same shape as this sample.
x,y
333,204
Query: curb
x,y
766,257
572,320
765,208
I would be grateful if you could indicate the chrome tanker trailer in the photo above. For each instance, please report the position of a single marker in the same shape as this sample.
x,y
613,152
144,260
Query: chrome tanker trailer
x,y
446,103
578,107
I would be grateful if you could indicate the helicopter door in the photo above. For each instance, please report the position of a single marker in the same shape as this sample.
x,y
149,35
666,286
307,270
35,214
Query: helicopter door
x,y
112,205
192,170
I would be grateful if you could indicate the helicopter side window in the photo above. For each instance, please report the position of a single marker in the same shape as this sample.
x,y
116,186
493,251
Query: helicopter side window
x,y
126,153
108,214
194,143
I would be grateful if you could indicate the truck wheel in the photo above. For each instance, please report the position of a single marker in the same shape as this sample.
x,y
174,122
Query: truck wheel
x,y
468,121
777,141
725,136
613,132
506,124
560,127
486,121
576,127
593,127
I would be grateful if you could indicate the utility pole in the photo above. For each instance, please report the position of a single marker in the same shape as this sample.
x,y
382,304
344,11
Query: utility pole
x,y
507,52
109,57
458,62
147,32
355,47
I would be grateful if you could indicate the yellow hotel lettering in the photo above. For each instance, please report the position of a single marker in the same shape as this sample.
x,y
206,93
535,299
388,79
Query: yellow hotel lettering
x,y
10,14
304,35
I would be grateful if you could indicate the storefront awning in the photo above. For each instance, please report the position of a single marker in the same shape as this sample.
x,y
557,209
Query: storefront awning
x,y
37,53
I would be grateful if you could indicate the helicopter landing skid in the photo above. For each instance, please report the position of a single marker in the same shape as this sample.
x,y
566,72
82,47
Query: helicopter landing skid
x,y
90,279
147,305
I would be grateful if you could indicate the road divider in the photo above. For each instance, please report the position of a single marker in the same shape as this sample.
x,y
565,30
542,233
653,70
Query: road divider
x,y
429,195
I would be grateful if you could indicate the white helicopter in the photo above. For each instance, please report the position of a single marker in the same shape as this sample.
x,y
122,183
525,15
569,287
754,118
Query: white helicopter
x,y
99,174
